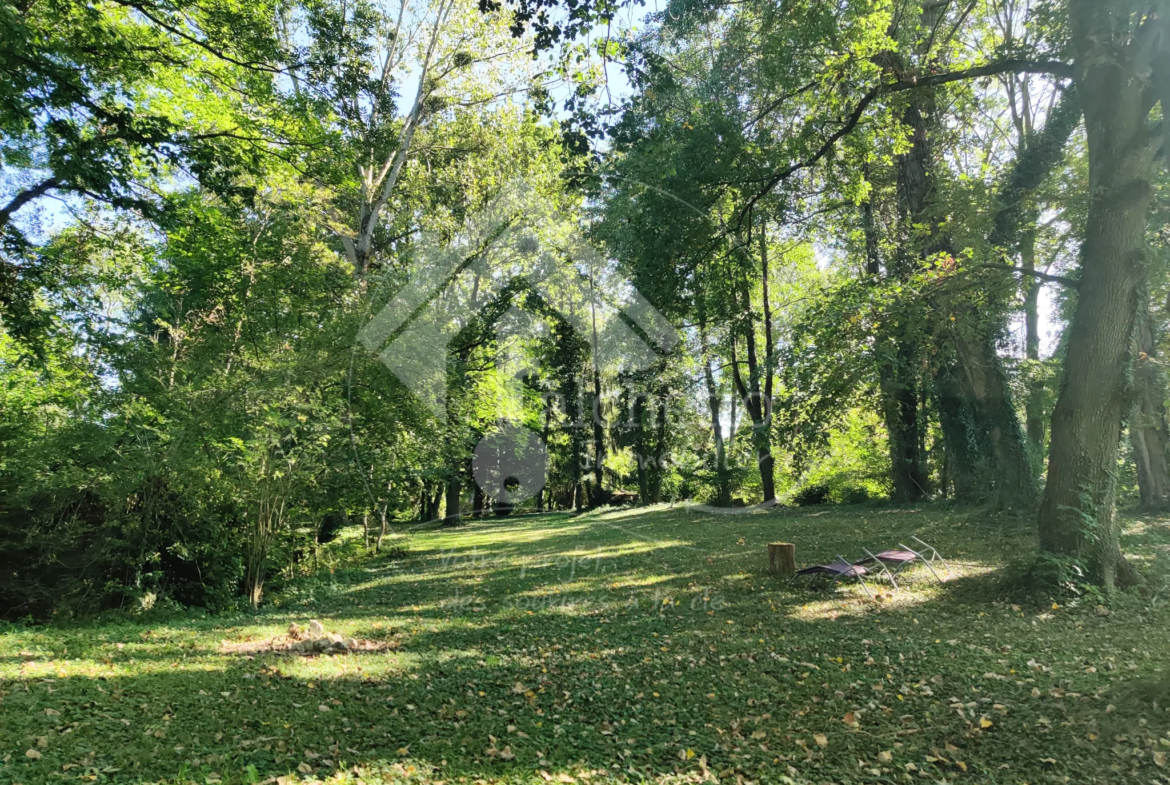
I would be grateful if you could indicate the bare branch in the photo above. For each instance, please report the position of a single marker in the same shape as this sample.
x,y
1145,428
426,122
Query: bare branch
x,y
24,197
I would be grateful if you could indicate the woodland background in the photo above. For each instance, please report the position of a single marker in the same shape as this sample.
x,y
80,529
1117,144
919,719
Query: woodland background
x,y
914,249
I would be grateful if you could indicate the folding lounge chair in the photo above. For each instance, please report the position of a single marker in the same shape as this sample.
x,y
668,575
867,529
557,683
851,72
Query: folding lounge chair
x,y
837,571
893,562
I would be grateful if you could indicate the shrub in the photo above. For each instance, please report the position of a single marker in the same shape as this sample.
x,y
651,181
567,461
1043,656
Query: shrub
x,y
809,495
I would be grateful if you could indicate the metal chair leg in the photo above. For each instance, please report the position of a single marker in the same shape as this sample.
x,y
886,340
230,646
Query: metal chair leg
x,y
857,575
937,555
884,567
924,560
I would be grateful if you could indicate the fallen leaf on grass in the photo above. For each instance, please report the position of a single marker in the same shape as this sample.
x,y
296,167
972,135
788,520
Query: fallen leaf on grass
x,y
885,756
33,755
821,739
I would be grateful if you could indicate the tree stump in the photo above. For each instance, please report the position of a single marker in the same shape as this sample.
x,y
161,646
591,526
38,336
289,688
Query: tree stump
x,y
782,558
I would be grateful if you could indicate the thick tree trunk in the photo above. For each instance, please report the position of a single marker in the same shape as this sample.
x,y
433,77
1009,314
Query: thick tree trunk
x,y
960,437
432,498
1147,424
1077,515
899,381
1011,477
454,494
899,387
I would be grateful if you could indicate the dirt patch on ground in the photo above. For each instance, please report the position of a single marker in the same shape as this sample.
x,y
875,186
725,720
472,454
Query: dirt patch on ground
x,y
308,642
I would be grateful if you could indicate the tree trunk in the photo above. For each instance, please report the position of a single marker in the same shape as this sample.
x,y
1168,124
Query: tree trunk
x,y
478,503
598,441
1011,476
957,419
453,515
759,409
643,448
659,452
900,407
1147,425
1077,515
598,424
1034,405
381,531
899,381
782,558
722,476
543,492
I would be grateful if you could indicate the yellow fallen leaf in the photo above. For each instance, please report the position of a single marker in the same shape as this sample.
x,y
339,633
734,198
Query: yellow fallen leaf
x,y
885,756
821,739
1159,758
305,768
758,735
32,754
985,723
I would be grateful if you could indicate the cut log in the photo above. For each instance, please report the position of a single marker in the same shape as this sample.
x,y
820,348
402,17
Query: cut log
x,y
782,558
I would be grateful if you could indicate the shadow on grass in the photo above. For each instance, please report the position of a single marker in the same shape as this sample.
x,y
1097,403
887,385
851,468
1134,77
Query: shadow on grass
x,y
657,663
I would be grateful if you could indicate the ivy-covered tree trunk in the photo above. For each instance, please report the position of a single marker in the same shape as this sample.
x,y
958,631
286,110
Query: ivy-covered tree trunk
x,y
1012,480
758,405
899,387
956,417
1077,515
1147,423
900,376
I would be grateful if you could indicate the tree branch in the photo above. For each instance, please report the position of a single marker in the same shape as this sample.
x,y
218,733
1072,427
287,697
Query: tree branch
x,y
1060,279
1057,69
24,197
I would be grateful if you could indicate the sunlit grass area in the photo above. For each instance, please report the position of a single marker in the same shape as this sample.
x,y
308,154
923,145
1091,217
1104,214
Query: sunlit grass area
x,y
647,645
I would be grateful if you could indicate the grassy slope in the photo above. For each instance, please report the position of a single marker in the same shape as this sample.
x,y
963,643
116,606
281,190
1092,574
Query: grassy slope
x,y
636,644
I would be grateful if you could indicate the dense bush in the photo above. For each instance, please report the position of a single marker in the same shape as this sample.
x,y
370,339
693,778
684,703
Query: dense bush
x,y
811,495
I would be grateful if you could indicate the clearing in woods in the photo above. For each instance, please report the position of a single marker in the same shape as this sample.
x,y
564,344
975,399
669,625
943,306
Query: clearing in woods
x,y
628,645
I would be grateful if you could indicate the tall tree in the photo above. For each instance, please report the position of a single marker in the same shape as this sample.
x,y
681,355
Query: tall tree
x,y
1122,68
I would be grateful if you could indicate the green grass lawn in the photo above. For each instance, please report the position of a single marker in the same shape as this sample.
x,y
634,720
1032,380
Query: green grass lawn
x,y
635,645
